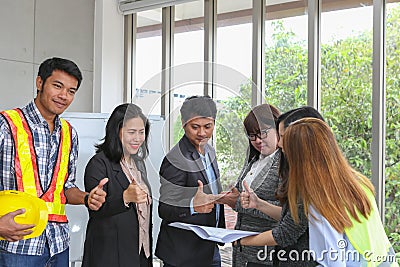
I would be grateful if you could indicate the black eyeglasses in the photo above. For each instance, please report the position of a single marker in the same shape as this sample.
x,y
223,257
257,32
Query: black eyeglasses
x,y
261,135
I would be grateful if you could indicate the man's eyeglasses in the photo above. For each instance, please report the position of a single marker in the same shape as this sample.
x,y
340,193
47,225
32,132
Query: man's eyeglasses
x,y
261,135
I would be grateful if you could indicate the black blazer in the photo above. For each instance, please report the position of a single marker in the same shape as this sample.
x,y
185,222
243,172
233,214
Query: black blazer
x,y
179,172
112,234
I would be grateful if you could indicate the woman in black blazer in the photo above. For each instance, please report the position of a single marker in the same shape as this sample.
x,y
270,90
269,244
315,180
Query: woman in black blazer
x,y
120,232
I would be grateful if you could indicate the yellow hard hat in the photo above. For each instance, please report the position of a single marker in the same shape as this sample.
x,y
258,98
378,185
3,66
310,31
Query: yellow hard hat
x,y
35,210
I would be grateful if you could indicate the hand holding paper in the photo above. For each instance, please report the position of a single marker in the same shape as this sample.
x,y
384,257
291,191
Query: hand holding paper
x,y
220,235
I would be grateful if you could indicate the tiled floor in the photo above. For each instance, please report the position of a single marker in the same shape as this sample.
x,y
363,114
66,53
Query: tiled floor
x,y
226,251
226,258
226,255
230,217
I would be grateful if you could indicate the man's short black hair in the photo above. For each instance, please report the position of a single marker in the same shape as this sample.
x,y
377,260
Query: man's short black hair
x,y
51,64
198,106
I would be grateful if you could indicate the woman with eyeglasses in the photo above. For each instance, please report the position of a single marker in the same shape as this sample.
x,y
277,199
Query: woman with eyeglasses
x,y
261,174
290,238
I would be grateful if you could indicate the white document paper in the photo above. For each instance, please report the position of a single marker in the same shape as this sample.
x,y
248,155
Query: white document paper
x,y
213,233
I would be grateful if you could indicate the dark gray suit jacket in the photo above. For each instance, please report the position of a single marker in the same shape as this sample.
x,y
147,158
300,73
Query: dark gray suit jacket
x,y
179,172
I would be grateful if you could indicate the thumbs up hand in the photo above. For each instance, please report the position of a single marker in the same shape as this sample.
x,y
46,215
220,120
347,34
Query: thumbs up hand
x,y
135,193
248,199
97,195
202,202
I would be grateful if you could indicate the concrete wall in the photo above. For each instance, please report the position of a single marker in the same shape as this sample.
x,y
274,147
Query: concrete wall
x,y
89,32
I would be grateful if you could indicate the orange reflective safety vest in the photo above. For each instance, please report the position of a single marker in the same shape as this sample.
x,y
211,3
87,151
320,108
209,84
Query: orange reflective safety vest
x,y
26,168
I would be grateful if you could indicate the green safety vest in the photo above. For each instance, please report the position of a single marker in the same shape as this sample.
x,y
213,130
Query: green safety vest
x,y
368,236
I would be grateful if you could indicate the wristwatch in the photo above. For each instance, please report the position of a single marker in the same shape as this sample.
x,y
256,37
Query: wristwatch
x,y
86,200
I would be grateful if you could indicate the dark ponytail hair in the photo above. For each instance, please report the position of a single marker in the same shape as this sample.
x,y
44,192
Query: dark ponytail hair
x,y
287,118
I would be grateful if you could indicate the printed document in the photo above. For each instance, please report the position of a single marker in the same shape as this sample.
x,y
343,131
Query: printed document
x,y
215,234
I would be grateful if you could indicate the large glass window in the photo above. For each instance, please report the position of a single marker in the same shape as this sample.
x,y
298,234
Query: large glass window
x,y
234,33
346,78
231,84
147,81
188,70
392,163
286,54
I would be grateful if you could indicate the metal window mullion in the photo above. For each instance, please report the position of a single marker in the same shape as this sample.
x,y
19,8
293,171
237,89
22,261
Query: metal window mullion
x,y
378,105
258,53
210,46
130,52
314,54
166,72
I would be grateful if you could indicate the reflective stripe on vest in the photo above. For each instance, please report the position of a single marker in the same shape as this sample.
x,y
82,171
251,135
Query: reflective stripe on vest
x,y
26,169
368,236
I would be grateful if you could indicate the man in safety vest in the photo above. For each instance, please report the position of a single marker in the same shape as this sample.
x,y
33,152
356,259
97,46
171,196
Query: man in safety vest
x,y
38,155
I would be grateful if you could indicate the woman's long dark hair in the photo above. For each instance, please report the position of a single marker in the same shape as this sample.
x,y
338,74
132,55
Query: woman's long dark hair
x,y
111,145
287,118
